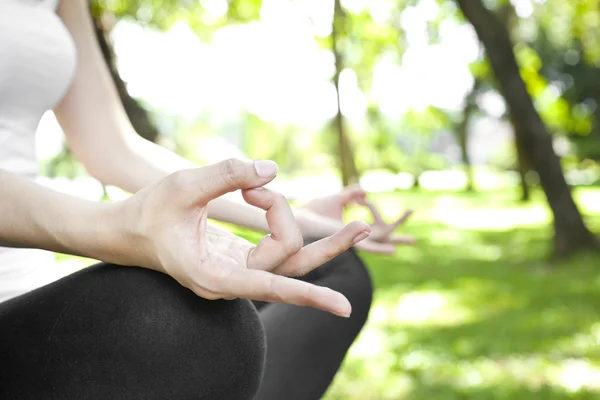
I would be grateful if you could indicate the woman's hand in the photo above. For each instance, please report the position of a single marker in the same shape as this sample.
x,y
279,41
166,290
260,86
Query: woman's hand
x,y
171,235
382,238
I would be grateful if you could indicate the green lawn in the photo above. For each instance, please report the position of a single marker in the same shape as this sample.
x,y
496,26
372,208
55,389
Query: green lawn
x,y
476,310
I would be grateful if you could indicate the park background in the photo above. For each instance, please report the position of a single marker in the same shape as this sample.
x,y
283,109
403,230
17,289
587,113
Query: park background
x,y
482,116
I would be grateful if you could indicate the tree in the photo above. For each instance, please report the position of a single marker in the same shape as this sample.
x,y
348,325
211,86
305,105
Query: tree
x,y
462,133
137,114
523,164
508,16
345,151
570,59
570,232
162,15
484,81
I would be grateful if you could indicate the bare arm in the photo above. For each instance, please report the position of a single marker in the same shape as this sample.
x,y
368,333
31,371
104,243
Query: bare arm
x,y
164,227
102,138
37,217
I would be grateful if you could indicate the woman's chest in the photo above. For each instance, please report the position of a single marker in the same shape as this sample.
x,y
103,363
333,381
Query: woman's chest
x,y
37,57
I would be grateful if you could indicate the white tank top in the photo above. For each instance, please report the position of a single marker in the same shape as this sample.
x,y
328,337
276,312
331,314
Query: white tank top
x,y
37,63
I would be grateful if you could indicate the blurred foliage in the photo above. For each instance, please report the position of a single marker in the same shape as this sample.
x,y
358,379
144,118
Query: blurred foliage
x,y
556,47
365,41
162,14
473,311
470,312
564,37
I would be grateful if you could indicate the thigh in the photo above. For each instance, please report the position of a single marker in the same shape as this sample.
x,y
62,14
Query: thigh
x,y
305,347
127,333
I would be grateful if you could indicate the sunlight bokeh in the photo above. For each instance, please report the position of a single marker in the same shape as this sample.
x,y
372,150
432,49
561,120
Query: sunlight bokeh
x,y
274,68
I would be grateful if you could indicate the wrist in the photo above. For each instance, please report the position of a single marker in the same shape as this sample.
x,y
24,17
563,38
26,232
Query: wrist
x,y
122,237
107,232
99,235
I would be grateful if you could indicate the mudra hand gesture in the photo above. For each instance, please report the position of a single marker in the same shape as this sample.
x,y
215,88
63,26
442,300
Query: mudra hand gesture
x,y
172,235
382,238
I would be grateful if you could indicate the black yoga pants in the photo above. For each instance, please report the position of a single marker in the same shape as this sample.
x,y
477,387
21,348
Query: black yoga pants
x,y
124,333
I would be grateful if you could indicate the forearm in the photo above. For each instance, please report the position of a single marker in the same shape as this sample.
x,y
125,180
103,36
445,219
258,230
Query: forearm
x,y
318,225
137,163
140,163
100,134
37,217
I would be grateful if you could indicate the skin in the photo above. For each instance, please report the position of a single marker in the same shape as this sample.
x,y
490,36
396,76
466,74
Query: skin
x,y
163,226
103,140
382,238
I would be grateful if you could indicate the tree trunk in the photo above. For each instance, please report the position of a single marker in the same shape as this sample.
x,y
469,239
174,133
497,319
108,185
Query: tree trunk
x,y
346,154
417,181
508,16
466,160
523,165
570,232
137,114
462,133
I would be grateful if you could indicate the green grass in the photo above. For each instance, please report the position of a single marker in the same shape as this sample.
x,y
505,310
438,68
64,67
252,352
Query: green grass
x,y
476,310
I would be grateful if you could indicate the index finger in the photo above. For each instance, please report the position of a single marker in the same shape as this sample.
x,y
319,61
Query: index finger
x,y
285,238
373,208
265,286
402,219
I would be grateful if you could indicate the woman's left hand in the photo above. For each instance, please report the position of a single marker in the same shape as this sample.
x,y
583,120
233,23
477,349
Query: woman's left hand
x,y
382,238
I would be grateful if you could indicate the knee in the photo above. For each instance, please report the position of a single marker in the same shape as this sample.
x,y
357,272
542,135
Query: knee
x,y
348,274
359,287
191,345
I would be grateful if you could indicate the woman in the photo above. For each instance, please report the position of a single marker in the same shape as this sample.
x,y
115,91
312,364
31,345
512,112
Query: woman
x,y
155,332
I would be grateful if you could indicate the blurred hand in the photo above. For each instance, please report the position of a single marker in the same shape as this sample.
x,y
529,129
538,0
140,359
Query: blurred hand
x,y
172,235
382,238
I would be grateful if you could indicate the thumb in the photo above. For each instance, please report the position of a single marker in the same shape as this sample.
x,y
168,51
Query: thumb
x,y
208,183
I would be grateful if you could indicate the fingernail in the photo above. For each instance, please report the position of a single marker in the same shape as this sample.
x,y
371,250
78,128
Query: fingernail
x,y
344,311
361,236
265,168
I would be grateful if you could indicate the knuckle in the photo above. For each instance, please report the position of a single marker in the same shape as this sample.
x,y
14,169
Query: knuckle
x,y
280,198
232,172
274,295
304,297
332,248
180,180
293,244
276,199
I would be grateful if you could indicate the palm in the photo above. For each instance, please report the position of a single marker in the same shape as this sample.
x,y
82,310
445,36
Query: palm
x,y
226,244
174,237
